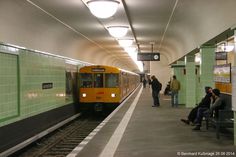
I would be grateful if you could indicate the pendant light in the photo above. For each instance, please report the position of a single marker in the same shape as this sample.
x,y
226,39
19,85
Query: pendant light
x,y
103,8
117,31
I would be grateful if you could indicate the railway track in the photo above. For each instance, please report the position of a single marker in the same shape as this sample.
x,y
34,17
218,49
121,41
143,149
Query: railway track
x,y
61,142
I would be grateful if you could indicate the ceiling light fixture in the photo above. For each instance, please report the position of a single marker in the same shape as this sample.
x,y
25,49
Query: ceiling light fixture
x,y
117,31
125,42
227,48
103,8
197,58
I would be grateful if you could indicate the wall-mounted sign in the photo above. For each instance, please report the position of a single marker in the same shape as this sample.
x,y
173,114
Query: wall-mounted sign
x,y
221,56
47,85
222,73
148,57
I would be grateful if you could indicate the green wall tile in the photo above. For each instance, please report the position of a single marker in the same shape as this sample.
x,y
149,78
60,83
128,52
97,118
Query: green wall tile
x,y
8,86
207,63
190,84
34,69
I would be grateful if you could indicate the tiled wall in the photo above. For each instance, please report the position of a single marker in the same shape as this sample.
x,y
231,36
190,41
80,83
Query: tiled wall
x,y
22,73
36,69
8,86
190,84
208,61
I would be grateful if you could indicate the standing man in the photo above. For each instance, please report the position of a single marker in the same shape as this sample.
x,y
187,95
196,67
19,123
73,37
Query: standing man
x,y
175,87
144,82
156,87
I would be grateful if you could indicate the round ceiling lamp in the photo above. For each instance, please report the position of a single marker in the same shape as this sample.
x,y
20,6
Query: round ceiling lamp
x,y
103,8
125,42
117,31
227,48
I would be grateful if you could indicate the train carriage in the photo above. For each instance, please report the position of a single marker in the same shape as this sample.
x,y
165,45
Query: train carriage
x,y
105,86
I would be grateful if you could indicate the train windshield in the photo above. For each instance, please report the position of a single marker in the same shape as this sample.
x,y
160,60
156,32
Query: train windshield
x,y
86,80
111,81
98,80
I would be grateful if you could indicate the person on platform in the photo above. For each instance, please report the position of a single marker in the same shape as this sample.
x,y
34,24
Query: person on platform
x,y
156,87
204,103
144,83
175,87
216,105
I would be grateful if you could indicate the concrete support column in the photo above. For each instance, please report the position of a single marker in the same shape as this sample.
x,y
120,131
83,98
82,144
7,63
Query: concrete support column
x,y
206,69
190,81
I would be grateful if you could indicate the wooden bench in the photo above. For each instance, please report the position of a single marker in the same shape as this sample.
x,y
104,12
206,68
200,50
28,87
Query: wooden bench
x,y
225,119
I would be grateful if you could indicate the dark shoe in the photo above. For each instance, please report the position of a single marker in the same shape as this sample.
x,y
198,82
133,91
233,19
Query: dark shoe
x,y
154,105
185,121
197,128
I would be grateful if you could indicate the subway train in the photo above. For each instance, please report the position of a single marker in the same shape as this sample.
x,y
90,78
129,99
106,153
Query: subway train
x,y
102,87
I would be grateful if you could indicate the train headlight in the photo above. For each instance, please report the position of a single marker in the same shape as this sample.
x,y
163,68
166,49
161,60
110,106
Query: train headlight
x,y
84,95
113,95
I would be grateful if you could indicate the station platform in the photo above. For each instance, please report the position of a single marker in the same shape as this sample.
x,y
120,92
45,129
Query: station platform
x,y
139,130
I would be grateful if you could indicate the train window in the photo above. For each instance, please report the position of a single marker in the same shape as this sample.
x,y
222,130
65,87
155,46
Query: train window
x,y
111,80
86,80
98,80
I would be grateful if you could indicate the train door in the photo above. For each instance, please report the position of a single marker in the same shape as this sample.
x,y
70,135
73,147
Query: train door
x,y
121,83
125,84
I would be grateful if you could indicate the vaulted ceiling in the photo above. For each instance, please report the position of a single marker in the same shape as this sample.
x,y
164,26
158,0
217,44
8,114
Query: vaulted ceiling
x,y
67,28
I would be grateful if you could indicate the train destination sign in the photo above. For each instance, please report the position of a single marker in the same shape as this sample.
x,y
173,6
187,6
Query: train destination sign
x,y
148,57
98,70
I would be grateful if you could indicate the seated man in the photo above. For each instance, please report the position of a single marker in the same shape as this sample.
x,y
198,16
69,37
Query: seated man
x,y
205,103
215,106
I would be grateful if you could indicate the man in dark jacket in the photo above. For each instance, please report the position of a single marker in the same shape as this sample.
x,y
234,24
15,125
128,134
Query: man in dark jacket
x,y
156,87
205,103
215,105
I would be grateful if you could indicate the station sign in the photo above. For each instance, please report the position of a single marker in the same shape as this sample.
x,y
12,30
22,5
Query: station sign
x,y
221,55
148,57
47,85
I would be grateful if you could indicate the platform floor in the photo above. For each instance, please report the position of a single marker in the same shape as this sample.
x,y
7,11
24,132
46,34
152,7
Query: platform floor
x,y
157,132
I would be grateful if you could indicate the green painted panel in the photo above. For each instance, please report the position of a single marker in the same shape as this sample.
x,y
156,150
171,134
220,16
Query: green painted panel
x,y
190,84
8,86
206,67
36,69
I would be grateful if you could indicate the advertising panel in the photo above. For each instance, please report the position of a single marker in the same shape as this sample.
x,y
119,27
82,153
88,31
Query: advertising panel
x,y
222,73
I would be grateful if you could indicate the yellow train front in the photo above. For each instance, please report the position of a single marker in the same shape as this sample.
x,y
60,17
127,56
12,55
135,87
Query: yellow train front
x,y
105,86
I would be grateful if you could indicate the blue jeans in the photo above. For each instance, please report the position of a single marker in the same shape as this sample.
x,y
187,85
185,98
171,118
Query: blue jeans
x,y
200,114
174,98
